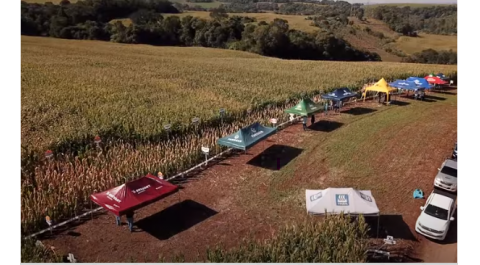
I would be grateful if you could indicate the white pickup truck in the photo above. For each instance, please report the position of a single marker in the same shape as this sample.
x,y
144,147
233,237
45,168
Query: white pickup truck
x,y
437,214
446,178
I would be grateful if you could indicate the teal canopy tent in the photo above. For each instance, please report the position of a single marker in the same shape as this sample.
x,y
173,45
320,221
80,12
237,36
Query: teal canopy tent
x,y
247,137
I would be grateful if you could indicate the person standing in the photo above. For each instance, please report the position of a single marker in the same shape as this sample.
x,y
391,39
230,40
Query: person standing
x,y
313,119
118,220
304,123
339,105
130,220
326,107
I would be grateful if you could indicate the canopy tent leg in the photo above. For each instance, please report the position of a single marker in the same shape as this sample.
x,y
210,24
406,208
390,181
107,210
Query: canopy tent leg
x,y
91,207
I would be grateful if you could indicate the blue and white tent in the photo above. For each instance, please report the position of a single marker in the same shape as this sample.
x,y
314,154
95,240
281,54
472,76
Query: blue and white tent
x,y
404,84
339,94
337,200
420,82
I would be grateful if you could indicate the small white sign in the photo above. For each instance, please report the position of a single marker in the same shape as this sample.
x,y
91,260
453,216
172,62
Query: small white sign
x,y
205,149
48,220
273,120
167,126
195,120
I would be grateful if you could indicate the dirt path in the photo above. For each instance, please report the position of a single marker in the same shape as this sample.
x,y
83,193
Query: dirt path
x,y
245,196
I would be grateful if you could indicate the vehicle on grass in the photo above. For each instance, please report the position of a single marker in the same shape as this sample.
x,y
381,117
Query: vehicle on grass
x,y
447,176
437,214
454,153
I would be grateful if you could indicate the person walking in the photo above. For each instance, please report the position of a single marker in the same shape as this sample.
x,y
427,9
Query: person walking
x,y
118,220
304,123
130,220
326,107
339,105
313,119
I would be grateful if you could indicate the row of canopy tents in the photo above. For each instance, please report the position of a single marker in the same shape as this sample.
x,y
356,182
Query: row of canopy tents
x,y
254,133
411,83
148,189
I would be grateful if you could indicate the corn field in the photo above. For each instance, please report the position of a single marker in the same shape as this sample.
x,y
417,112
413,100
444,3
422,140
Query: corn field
x,y
75,90
336,239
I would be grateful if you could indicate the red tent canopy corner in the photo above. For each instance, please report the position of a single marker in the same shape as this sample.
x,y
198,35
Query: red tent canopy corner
x,y
435,80
134,195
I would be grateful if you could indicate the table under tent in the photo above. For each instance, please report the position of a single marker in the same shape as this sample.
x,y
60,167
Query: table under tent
x,y
419,93
305,107
247,137
339,95
338,200
134,195
380,87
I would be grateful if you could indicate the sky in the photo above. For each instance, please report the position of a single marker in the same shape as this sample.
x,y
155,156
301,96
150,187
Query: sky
x,y
405,1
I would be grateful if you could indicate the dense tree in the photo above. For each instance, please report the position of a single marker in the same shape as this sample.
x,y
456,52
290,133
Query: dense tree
x,y
86,20
406,20
433,57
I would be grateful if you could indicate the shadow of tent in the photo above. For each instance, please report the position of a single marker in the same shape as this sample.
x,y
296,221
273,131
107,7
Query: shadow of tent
x,y
399,103
175,219
390,225
325,126
434,97
359,111
275,157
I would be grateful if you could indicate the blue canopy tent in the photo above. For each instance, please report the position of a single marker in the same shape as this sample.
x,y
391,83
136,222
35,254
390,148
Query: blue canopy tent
x,y
409,85
247,137
339,94
420,82
404,84
442,76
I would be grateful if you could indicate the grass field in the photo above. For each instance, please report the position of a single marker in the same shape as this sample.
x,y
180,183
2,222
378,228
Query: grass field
x,y
73,90
413,5
426,41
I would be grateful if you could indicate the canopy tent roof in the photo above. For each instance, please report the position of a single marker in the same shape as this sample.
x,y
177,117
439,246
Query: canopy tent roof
x,y
380,86
247,137
441,76
404,84
337,200
420,82
434,80
134,194
339,94
305,107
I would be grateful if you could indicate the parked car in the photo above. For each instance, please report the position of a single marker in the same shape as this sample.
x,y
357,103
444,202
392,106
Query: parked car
x,y
436,216
447,176
454,153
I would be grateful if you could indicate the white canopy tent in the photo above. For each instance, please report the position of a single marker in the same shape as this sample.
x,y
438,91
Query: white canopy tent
x,y
346,200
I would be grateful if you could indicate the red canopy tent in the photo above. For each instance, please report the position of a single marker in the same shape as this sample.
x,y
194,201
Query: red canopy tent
x,y
435,80
134,195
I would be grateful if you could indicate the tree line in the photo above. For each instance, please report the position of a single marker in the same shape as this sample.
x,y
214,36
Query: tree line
x,y
407,20
431,56
90,20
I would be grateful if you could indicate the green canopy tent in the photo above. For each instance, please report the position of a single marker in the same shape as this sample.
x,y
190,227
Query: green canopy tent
x,y
305,107
247,137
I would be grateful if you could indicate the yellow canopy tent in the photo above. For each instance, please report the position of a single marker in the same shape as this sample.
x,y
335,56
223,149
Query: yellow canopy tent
x,y
380,86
